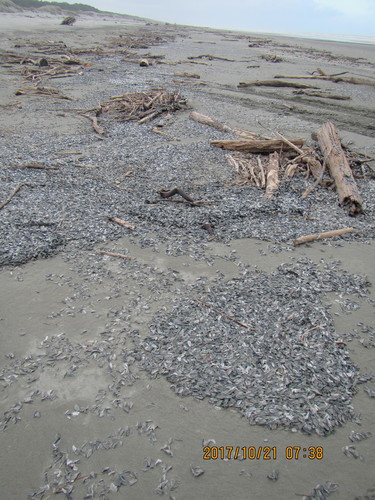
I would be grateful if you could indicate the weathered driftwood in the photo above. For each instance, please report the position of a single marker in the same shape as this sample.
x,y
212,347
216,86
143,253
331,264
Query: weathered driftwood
x,y
95,125
320,236
275,83
314,164
331,78
257,146
211,58
272,174
113,254
249,169
186,75
143,106
318,180
334,156
34,165
206,120
11,195
324,95
164,134
121,222
290,144
45,91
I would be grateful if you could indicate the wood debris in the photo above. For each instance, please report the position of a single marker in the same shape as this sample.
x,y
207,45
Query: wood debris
x,y
340,170
98,129
35,69
186,75
14,192
272,174
113,254
43,91
121,222
250,168
143,106
257,146
320,236
272,58
331,78
275,83
206,120
211,58
321,94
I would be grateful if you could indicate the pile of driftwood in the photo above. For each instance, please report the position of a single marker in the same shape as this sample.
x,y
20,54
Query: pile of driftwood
x,y
143,106
35,69
263,162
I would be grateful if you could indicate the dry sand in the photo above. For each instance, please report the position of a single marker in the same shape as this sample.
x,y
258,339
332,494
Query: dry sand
x,y
66,295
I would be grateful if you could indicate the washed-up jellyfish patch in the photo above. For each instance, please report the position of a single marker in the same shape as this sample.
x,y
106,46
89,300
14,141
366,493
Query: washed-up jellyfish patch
x,y
262,343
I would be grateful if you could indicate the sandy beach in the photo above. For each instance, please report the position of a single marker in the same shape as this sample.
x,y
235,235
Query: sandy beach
x,y
203,354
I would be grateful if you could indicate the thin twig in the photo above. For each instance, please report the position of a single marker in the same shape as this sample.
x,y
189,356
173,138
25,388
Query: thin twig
x,y
303,335
11,195
290,144
121,222
226,315
319,179
112,254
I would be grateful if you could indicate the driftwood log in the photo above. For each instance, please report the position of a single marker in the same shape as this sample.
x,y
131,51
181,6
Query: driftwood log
x,y
257,146
331,78
334,156
206,120
320,236
323,95
275,83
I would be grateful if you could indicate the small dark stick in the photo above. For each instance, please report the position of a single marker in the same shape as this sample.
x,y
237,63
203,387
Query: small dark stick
x,y
167,193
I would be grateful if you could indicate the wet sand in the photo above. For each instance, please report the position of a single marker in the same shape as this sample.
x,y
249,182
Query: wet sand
x,y
70,296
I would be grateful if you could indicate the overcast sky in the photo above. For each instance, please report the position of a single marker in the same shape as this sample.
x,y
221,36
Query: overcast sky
x,y
348,17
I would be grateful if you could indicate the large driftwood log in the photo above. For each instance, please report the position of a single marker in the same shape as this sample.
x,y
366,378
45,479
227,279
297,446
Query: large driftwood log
x,y
272,174
339,168
257,146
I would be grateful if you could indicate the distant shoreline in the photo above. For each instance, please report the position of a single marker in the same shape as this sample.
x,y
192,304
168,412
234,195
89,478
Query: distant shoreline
x,y
323,37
